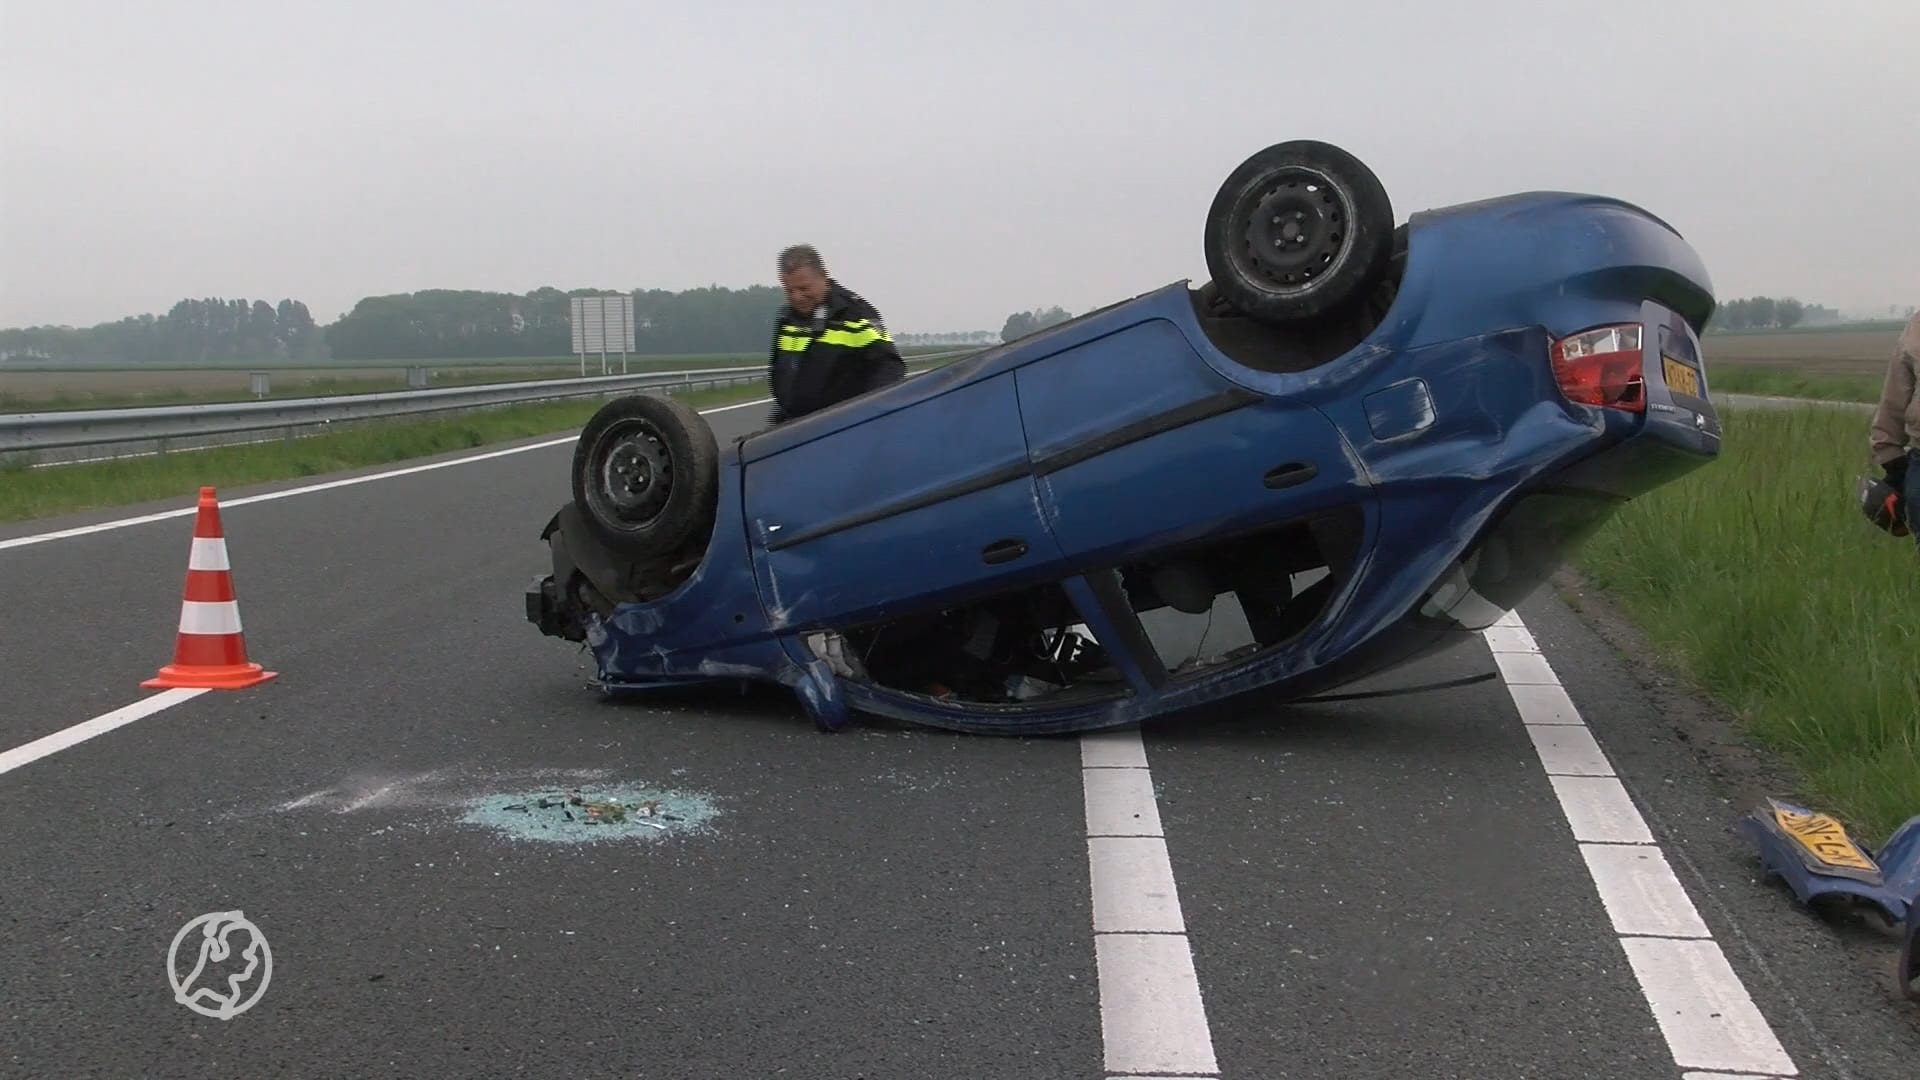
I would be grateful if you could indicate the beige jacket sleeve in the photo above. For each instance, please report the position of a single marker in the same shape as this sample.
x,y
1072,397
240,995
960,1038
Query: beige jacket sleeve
x,y
1896,423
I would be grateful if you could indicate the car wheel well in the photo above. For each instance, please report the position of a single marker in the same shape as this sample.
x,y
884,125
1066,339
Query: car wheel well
x,y
1299,345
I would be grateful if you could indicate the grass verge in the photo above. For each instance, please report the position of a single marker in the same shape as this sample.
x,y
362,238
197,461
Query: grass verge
x,y
33,493
40,388
1777,382
1760,577
86,390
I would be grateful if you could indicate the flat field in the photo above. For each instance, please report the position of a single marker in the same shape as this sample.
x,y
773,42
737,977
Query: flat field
x,y
1826,352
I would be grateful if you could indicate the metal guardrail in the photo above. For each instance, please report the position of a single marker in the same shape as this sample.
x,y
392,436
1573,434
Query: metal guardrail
x,y
30,433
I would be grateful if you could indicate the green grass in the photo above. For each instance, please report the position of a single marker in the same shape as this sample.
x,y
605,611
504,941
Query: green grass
x,y
1777,382
104,387
1762,578
27,493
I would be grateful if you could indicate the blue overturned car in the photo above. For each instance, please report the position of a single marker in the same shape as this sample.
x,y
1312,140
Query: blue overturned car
x,y
1358,444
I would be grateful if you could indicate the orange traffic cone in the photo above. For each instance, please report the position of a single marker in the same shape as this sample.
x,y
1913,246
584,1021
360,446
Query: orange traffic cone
x,y
209,652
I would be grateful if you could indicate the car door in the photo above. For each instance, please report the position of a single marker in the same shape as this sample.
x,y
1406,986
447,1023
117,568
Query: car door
x,y
898,512
1136,444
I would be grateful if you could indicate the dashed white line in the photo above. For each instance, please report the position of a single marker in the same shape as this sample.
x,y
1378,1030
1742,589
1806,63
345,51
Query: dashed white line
x,y
1152,1018
1710,1023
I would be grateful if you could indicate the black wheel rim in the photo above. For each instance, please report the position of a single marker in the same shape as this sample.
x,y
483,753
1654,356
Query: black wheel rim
x,y
1291,231
630,475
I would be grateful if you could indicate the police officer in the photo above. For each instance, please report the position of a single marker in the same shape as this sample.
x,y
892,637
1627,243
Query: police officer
x,y
829,343
1894,432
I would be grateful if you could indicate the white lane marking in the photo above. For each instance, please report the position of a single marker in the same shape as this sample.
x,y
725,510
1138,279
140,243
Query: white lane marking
x,y
126,714
1704,1013
1120,802
1545,705
225,504
222,618
1567,750
1510,639
1150,904
1152,1017
1640,891
1600,811
1702,1009
1150,1011
1112,750
1525,669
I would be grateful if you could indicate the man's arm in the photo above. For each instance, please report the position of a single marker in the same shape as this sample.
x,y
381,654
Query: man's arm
x,y
1888,432
882,360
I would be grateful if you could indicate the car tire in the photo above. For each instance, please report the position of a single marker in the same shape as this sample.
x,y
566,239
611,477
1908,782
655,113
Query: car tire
x,y
646,475
1300,230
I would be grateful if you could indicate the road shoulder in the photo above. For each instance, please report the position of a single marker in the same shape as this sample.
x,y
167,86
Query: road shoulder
x,y
1827,989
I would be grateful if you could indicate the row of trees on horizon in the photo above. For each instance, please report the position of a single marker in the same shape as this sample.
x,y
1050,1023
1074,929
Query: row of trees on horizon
x,y
456,324
438,324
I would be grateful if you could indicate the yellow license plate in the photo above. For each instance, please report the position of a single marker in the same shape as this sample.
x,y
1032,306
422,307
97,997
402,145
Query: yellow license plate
x,y
1681,378
1823,837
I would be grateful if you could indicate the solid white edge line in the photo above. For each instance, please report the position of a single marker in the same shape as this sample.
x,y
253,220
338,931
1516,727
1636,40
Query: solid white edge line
x,y
1703,1011
308,489
28,753
1153,1020
219,618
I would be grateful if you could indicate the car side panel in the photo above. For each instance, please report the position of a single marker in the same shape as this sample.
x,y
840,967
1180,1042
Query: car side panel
x,y
1138,444
898,512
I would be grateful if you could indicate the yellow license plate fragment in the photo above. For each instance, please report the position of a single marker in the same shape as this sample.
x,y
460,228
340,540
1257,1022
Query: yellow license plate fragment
x,y
1681,378
1822,836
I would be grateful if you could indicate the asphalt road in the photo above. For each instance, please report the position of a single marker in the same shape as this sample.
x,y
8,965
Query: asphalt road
x,y
1373,889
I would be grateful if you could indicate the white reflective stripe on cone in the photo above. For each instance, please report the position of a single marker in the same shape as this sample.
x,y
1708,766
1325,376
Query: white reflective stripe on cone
x,y
209,553
200,617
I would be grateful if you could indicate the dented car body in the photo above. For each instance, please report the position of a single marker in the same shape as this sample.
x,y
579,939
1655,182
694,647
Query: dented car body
x,y
1001,544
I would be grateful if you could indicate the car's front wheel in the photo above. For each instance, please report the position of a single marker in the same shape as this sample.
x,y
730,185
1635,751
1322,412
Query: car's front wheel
x,y
646,473
1300,230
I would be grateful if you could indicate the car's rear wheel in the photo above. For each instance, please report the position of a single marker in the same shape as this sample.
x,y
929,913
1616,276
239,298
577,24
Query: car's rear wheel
x,y
646,472
1300,230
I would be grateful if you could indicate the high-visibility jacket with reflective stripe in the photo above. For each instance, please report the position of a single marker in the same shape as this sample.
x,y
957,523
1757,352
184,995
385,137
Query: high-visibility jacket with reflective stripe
x,y
840,352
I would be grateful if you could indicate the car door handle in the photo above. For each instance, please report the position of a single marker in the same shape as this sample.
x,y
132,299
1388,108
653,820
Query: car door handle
x,y
1002,551
1290,474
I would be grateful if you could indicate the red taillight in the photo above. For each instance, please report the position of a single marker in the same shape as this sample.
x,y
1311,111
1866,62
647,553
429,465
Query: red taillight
x,y
1603,367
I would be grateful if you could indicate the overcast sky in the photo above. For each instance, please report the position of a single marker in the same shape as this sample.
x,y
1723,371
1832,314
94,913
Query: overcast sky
x,y
954,161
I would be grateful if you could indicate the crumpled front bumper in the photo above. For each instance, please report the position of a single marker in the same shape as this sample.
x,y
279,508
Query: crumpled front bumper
x,y
546,610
